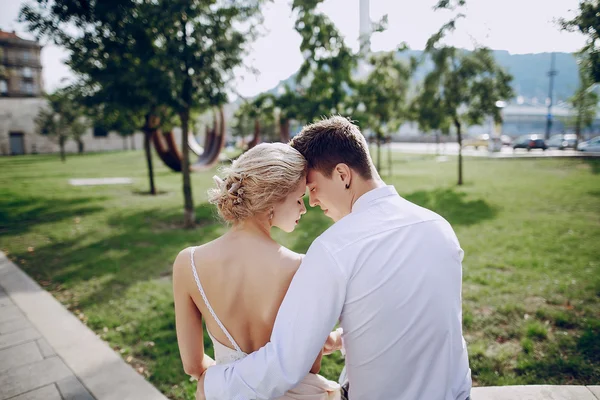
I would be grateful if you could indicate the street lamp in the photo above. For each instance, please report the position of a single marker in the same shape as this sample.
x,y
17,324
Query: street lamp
x,y
495,143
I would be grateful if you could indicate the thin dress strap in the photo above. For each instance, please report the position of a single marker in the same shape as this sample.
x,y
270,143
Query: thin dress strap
x,y
212,312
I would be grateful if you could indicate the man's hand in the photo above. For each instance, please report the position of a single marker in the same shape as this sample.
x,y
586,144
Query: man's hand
x,y
200,388
333,342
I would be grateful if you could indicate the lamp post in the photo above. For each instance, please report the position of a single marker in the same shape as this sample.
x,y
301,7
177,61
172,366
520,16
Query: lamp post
x,y
495,143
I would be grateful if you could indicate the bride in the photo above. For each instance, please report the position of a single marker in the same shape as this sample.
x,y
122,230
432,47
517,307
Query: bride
x,y
237,282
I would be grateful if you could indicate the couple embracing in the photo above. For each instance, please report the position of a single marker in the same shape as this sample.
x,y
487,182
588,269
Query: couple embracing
x,y
382,284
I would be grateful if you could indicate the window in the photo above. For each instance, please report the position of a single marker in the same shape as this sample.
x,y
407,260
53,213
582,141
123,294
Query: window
x,y
3,87
27,87
26,56
26,72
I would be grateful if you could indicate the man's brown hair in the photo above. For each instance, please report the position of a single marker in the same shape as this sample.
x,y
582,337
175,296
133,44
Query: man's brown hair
x,y
333,141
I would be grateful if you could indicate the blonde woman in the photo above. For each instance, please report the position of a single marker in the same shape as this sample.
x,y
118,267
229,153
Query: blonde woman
x,y
237,282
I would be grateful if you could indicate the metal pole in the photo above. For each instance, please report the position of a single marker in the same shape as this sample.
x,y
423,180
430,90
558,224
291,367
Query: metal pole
x,y
551,75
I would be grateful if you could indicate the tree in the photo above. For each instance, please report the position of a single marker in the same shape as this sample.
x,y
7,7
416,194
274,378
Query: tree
x,y
325,77
111,51
587,22
379,101
177,54
122,121
288,105
62,119
423,110
584,101
463,87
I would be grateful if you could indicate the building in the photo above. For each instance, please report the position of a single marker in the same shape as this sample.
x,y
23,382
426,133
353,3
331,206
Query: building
x,y
21,67
21,98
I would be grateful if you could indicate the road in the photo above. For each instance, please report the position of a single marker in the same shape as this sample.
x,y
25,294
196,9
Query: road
x,y
451,149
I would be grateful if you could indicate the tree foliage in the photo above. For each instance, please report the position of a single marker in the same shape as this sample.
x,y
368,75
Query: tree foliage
x,y
463,87
63,118
587,22
144,55
379,101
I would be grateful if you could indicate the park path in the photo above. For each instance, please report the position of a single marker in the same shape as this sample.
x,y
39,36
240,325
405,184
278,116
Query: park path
x,y
46,353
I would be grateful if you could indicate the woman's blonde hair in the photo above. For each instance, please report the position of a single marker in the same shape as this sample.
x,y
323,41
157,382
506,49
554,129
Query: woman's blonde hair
x,y
257,180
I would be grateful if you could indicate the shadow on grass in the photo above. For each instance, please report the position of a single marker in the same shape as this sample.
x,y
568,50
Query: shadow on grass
x,y
453,206
594,164
19,214
143,248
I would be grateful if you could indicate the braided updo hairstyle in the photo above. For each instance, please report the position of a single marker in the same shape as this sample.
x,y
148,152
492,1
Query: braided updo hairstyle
x,y
257,180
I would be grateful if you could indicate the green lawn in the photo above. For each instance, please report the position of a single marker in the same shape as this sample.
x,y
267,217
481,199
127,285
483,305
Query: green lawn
x,y
530,230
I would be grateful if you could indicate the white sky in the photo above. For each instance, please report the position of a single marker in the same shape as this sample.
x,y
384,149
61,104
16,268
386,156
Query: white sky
x,y
519,26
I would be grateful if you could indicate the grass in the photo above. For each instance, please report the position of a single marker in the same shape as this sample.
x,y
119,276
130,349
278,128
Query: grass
x,y
530,229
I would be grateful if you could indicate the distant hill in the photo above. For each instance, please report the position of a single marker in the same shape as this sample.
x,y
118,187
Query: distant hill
x,y
530,74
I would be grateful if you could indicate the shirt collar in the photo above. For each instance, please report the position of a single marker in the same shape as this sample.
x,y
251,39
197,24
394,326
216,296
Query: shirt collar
x,y
373,195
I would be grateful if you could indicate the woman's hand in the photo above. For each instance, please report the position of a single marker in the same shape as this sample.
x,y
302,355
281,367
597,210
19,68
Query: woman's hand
x,y
333,342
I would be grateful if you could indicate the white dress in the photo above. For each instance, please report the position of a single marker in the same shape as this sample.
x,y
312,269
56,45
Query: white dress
x,y
312,387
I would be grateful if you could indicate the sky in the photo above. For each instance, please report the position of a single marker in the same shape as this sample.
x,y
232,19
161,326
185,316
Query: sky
x,y
518,26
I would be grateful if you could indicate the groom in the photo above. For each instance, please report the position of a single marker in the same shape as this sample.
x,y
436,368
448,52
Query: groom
x,y
388,270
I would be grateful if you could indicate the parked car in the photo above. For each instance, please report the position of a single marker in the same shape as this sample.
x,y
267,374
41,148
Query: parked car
x,y
506,140
592,145
530,142
562,141
476,141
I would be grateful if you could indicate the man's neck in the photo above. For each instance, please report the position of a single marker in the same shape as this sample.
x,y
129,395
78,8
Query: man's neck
x,y
364,186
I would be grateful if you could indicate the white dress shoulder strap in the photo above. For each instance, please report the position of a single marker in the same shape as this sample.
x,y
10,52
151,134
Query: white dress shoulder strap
x,y
212,312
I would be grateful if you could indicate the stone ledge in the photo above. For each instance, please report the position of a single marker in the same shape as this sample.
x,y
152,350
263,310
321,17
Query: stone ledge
x,y
536,392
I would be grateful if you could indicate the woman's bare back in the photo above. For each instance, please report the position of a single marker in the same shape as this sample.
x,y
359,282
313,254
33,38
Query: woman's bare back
x,y
245,278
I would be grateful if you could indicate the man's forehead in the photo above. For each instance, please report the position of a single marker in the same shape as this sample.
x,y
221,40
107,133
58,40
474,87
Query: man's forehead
x,y
312,176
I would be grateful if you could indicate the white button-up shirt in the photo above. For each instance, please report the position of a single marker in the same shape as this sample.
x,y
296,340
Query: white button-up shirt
x,y
391,272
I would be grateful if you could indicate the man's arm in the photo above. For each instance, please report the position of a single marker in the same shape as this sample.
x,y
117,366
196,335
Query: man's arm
x,y
309,311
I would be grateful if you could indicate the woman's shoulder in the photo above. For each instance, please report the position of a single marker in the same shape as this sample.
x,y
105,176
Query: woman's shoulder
x,y
289,258
194,254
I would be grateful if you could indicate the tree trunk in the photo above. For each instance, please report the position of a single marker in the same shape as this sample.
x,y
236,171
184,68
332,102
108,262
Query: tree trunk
x,y
578,126
80,146
149,130
378,153
460,164
284,132
188,202
256,138
124,143
437,143
61,144
132,141
390,155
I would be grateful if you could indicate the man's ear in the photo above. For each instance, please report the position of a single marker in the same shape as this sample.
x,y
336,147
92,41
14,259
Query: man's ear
x,y
344,173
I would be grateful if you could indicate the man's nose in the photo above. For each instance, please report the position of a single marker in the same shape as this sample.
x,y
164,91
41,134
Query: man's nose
x,y
312,200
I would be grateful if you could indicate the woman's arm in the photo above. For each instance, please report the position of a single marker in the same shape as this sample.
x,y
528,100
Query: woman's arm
x,y
188,320
317,365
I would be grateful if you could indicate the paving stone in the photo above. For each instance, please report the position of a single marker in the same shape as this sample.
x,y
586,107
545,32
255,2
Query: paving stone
x,y
82,354
32,376
595,390
45,348
71,389
49,392
9,313
533,392
5,301
14,325
17,356
18,337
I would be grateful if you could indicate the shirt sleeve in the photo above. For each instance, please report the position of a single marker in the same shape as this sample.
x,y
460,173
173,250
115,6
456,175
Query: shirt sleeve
x,y
308,313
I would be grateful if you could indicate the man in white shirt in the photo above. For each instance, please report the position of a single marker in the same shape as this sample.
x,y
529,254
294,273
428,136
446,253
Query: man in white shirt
x,y
388,270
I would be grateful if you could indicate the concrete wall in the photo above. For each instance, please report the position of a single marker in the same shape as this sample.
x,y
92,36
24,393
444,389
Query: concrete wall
x,y
18,115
